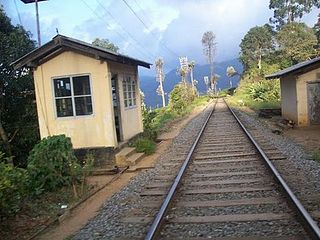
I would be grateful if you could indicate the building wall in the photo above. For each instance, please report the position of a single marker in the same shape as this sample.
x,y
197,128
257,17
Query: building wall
x,y
131,118
95,130
302,95
289,98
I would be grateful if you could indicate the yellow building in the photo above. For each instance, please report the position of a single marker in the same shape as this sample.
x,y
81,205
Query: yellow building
x,y
300,92
88,93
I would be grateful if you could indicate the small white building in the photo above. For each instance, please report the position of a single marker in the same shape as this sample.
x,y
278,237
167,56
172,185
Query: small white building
x,y
300,92
88,93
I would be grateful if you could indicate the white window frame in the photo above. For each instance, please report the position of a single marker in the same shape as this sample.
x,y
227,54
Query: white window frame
x,y
72,96
133,90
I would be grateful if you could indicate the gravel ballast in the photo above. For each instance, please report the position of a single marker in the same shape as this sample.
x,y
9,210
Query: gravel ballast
x,y
108,223
299,171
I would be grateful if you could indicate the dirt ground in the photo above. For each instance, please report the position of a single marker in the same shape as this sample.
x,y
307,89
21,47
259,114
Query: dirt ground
x,y
90,208
307,137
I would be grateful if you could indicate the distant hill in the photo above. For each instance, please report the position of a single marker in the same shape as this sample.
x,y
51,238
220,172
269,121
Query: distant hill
x,y
149,85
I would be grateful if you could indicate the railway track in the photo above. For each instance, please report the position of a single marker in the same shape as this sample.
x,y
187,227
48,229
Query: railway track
x,y
224,190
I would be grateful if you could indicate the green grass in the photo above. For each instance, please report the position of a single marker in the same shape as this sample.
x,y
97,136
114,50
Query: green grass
x,y
145,145
199,101
163,115
316,155
156,120
242,100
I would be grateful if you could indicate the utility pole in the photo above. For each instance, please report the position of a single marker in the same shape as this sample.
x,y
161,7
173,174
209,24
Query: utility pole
x,y
37,16
160,79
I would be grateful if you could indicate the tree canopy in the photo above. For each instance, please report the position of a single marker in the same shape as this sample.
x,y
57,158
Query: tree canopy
x,y
105,43
257,43
287,11
18,120
297,42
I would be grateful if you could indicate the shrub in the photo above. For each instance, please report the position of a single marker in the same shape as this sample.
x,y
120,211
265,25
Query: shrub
x,y
52,164
145,145
181,97
149,129
264,91
13,183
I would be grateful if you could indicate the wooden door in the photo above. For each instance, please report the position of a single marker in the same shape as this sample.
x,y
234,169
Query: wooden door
x,y
314,102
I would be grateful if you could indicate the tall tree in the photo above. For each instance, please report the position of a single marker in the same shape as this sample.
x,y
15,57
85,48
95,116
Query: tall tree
x,y
256,44
18,120
209,49
191,67
105,43
160,79
317,29
297,42
287,11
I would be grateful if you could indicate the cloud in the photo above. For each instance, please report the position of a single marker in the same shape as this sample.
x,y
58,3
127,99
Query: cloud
x,y
172,25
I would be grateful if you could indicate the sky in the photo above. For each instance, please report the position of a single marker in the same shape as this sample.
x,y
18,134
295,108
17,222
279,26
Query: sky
x,y
147,29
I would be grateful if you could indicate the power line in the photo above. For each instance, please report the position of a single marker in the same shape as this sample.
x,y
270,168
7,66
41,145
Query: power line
x,y
15,3
129,34
145,25
143,12
119,34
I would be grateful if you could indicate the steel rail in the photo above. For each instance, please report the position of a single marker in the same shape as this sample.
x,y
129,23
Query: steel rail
x,y
158,220
308,223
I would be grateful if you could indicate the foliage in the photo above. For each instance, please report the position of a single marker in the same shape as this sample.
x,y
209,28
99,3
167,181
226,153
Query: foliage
x,y
145,145
296,42
105,43
264,91
286,11
13,188
87,166
17,134
52,164
256,92
256,44
180,97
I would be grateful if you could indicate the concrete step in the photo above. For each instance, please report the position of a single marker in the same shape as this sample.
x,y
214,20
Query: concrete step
x,y
134,159
122,156
126,151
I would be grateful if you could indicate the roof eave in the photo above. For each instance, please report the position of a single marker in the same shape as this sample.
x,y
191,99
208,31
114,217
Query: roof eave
x,y
36,56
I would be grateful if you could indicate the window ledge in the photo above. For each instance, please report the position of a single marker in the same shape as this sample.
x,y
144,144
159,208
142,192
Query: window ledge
x,y
75,117
129,108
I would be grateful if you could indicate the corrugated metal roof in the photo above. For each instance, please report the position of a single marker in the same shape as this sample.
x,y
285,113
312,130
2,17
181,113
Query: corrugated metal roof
x,y
62,43
293,68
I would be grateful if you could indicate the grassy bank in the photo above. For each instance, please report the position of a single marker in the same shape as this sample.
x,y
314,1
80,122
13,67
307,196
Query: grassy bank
x,y
154,122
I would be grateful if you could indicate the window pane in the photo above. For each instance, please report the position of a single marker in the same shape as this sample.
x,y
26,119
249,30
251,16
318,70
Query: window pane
x,y
62,87
124,84
125,103
83,105
129,95
130,102
64,107
81,85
